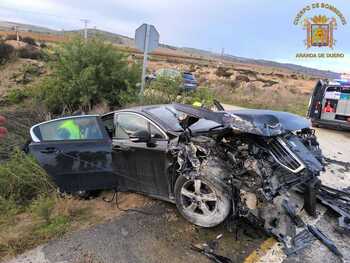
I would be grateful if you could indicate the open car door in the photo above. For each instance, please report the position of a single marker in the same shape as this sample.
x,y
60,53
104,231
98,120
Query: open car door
x,y
315,106
75,151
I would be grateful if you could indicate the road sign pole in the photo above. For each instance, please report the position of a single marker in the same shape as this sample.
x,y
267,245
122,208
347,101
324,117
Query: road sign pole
x,y
146,40
144,66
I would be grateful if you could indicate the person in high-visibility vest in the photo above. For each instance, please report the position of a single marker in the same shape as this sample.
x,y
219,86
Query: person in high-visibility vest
x,y
197,104
69,130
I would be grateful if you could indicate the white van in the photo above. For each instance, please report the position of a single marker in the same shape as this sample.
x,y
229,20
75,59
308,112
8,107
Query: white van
x,y
330,104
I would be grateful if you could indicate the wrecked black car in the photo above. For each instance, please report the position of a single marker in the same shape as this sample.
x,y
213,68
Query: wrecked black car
x,y
212,164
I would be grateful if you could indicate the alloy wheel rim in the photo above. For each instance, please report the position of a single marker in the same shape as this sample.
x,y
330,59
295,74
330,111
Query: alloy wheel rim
x,y
198,198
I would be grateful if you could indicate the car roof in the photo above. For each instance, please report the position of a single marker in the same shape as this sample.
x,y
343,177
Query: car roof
x,y
144,110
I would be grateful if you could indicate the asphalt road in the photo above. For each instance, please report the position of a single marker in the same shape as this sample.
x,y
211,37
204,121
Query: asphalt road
x,y
164,236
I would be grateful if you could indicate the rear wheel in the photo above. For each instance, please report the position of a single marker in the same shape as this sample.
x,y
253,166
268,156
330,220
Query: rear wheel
x,y
202,201
314,124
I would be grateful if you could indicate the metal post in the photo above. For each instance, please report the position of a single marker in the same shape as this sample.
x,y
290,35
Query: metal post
x,y
86,21
17,34
145,60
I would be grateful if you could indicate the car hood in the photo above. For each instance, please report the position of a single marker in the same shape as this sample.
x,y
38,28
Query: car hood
x,y
266,122
259,122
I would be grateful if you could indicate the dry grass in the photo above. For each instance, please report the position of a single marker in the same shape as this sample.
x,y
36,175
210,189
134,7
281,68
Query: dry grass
x,y
285,98
54,216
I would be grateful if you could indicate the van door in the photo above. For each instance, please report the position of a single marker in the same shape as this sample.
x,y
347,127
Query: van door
x,y
76,152
315,107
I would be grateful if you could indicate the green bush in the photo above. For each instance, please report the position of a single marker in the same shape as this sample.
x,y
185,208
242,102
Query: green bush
x,y
86,74
29,40
6,52
204,95
23,180
163,90
43,45
16,96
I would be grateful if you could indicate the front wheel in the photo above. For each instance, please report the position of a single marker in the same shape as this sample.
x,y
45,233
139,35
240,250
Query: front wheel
x,y
202,201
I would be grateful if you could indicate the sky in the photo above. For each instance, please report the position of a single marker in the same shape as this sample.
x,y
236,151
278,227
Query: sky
x,y
260,29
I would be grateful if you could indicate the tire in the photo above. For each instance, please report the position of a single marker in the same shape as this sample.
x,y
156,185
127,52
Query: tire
x,y
202,201
314,124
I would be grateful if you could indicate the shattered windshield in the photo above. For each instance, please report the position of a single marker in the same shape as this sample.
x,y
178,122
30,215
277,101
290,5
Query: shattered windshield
x,y
168,115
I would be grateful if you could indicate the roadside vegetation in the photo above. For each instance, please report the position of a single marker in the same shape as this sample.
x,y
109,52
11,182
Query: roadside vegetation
x,y
287,99
168,90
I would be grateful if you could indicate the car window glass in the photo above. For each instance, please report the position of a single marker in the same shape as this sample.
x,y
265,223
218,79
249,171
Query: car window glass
x,y
168,115
79,128
108,122
121,134
156,133
129,124
331,89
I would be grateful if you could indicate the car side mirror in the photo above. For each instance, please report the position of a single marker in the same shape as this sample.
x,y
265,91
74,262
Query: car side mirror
x,y
141,136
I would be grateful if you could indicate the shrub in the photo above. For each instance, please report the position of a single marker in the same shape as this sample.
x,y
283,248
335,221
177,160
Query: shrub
x,y
43,45
86,74
6,52
29,40
204,95
17,96
22,179
30,52
163,90
223,72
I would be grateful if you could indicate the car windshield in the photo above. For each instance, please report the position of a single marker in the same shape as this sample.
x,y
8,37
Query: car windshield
x,y
168,115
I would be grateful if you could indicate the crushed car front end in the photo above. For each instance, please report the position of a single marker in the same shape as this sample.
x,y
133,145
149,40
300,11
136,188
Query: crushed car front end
x,y
258,158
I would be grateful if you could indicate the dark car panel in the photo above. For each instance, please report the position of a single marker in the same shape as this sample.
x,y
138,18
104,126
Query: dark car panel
x,y
144,163
75,165
273,122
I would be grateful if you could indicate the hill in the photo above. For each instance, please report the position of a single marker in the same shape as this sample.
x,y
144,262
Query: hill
x,y
129,42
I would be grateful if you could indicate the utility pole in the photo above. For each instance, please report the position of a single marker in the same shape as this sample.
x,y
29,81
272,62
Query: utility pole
x,y
222,52
17,35
85,21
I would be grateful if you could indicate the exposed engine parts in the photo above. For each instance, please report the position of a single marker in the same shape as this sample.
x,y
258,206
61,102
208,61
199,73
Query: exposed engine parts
x,y
260,172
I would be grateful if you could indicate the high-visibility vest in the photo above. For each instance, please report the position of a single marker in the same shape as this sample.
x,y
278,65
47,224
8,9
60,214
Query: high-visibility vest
x,y
72,128
197,104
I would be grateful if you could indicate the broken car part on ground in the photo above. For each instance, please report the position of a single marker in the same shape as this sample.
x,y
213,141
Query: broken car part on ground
x,y
214,165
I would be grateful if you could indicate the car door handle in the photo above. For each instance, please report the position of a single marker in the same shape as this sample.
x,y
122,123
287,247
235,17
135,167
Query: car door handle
x,y
50,150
